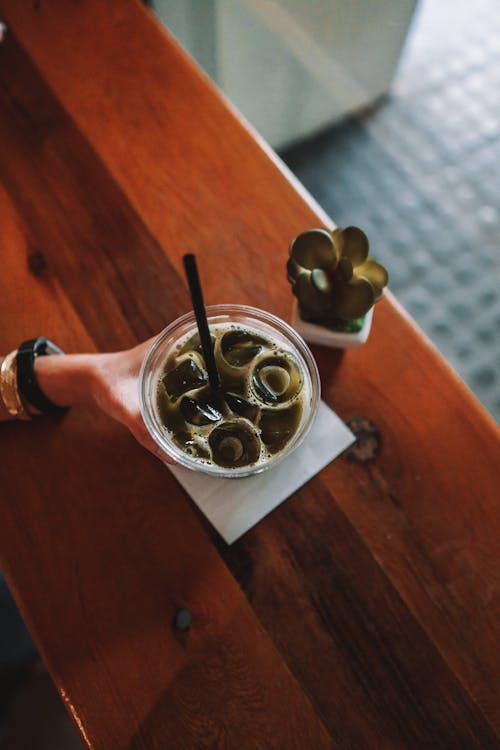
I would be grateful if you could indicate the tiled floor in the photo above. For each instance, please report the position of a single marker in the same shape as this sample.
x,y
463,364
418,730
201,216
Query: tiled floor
x,y
421,175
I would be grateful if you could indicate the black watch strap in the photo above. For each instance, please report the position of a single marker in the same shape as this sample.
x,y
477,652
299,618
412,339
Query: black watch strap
x,y
27,383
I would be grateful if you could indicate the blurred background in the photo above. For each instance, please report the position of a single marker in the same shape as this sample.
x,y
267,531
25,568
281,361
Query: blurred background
x,y
388,113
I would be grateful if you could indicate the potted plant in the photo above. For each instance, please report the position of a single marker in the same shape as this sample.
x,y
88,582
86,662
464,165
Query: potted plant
x,y
336,283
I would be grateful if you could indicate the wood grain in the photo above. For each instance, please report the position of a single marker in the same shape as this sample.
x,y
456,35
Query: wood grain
x,y
107,547
195,159
349,636
101,549
372,597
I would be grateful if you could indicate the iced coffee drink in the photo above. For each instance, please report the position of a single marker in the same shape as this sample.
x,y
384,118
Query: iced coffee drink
x,y
269,390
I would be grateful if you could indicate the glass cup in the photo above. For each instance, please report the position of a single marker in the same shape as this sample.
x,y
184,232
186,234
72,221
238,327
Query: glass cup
x,y
269,326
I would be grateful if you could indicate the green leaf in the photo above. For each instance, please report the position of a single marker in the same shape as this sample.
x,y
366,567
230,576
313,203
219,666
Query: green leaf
x,y
293,270
312,302
375,273
355,245
354,299
314,249
345,269
321,281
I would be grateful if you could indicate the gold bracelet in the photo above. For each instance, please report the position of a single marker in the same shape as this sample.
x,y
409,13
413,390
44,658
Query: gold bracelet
x,y
8,388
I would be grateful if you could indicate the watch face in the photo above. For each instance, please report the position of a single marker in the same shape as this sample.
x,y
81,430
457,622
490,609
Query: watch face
x,y
47,346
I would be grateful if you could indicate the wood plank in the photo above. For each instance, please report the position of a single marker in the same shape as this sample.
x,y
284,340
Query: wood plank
x,y
376,678
197,179
79,221
104,621
428,505
30,291
97,540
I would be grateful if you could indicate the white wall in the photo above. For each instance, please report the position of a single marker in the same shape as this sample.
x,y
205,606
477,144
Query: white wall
x,y
293,66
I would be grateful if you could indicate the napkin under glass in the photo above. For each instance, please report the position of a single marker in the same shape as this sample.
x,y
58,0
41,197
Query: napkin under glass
x,y
233,506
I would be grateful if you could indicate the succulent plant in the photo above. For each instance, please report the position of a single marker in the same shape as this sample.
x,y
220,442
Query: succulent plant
x,y
332,275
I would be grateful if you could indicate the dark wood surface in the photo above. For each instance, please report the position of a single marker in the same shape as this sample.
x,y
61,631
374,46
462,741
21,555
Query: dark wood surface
x,y
362,613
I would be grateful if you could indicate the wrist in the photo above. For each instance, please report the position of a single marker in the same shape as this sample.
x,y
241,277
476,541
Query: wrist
x,y
68,379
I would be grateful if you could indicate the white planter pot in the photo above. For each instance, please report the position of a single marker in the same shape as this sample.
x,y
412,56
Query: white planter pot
x,y
316,334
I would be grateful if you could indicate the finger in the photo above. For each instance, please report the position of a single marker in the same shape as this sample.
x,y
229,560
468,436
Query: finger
x,y
144,438
165,457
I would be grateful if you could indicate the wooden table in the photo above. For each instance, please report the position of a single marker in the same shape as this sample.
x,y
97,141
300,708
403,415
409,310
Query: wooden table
x,y
363,613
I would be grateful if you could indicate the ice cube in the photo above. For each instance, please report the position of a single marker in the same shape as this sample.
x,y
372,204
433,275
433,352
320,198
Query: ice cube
x,y
276,379
240,347
199,412
186,376
278,426
234,444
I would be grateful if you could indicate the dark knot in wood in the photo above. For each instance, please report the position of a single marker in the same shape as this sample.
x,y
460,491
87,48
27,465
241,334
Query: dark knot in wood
x,y
368,440
37,263
183,619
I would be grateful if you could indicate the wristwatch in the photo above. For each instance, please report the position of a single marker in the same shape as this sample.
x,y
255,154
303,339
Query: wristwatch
x,y
27,383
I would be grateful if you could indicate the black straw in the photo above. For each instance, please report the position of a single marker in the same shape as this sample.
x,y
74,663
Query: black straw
x,y
201,320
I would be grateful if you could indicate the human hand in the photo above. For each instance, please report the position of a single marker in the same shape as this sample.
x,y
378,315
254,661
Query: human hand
x,y
110,381
116,392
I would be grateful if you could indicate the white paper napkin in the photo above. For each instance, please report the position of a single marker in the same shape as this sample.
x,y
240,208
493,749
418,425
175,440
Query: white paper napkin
x,y
235,505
